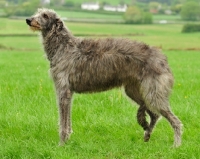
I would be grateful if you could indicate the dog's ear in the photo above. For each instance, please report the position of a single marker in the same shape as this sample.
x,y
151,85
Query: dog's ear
x,y
59,24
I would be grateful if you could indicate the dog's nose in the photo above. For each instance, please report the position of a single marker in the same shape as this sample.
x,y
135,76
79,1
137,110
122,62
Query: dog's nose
x,y
28,21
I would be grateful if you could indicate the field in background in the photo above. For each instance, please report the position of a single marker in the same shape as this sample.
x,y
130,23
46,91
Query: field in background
x,y
104,124
107,17
111,17
166,36
87,14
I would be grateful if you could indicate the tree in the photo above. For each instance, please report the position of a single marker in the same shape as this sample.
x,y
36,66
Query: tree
x,y
176,8
57,2
135,15
190,11
23,9
154,5
2,4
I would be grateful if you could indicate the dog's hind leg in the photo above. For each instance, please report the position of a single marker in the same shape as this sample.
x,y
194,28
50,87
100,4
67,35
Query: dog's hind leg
x,y
155,92
132,92
164,110
154,119
64,98
141,118
176,125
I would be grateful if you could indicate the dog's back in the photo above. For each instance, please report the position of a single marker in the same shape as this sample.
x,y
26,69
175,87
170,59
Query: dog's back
x,y
97,65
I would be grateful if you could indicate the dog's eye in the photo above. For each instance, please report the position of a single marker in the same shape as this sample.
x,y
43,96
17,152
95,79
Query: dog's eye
x,y
45,16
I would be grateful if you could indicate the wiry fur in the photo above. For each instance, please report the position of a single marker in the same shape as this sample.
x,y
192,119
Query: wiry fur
x,y
88,65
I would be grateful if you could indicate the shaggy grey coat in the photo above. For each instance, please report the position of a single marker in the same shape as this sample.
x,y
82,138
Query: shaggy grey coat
x,y
88,65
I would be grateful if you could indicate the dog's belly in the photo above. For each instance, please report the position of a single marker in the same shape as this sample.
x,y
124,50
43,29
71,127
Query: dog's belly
x,y
94,84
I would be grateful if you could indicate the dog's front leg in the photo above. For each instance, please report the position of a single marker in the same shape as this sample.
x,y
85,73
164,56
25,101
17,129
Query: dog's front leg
x,y
65,97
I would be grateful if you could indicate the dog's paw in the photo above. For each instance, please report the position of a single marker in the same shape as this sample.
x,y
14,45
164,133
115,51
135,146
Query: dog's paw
x,y
146,136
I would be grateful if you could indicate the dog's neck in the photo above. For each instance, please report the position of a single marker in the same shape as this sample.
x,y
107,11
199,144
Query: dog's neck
x,y
56,37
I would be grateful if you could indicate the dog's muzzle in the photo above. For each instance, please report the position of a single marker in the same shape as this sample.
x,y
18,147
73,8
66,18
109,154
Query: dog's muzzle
x,y
28,21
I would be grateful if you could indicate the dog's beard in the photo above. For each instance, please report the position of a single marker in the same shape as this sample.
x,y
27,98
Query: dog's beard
x,y
35,28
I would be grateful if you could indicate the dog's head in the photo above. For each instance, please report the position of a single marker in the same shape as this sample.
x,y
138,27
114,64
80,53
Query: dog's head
x,y
44,20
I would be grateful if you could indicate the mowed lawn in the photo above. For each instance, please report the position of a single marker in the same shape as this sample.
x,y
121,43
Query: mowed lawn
x,y
104,124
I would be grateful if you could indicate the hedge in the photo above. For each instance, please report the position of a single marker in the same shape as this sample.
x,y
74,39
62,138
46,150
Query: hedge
x,y
187,28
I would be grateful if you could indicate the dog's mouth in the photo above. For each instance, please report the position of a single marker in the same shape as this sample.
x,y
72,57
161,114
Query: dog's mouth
x,y
34,25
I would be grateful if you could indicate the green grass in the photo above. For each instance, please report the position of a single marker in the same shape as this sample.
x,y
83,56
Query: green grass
x,y
1,12
104,124
166,36
84,15
166,17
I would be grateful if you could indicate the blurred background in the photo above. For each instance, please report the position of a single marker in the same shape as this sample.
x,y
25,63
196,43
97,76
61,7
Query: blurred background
x,y
112,11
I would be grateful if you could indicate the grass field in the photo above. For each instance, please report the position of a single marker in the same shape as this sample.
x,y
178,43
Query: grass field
x,y
107,17
111,16
104,124
88,15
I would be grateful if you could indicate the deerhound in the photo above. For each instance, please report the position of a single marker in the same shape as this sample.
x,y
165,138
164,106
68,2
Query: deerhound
x,y
94,65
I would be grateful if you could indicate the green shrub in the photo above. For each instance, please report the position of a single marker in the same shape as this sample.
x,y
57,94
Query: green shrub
x,y
191,28
190,11
135,15
147,18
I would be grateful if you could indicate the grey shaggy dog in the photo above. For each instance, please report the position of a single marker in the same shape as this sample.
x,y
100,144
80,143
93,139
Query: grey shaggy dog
x,y
94,65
